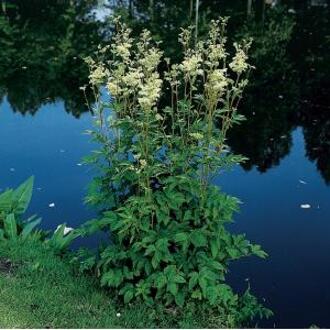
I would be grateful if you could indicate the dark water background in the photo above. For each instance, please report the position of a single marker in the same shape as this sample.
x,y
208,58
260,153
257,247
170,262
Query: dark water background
x,y
286,135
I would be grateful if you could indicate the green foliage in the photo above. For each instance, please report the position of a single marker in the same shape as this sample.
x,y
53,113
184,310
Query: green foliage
x,y
169,241
62,238
16,201
13,205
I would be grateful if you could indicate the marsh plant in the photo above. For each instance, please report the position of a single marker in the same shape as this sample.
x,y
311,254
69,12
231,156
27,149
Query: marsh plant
x,y
163,139
14,227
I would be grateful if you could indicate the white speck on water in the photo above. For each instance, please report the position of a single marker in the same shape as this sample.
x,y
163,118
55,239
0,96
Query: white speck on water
x,y
302,181
12,169
305,206
62,150
39,188
283,136
79,164
51,205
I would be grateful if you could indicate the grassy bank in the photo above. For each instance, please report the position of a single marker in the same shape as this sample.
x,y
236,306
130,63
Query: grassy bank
x,y
39,290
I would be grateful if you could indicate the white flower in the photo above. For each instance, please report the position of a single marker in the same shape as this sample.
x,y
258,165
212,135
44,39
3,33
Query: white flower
x,y
217,81
239,63
98,75
191,65
150,91
143,163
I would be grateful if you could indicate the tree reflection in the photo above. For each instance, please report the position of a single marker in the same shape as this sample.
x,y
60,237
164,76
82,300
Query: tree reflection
x,y
314,115
42,45
292,65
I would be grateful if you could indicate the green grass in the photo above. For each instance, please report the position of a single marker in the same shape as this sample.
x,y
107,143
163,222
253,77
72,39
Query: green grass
x,y
39,289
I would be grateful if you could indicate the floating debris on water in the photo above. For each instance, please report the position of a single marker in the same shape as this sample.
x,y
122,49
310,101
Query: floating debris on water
x,y
302,181
305,206
51,205
79,164
12,169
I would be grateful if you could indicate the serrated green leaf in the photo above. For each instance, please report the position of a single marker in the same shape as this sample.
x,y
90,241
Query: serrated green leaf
x,y
214,247
160,281
173,288
198,238
193,280
128,296
179,299
179,279
257,250
180,237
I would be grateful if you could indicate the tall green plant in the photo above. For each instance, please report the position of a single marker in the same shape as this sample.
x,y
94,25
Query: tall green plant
x,y
13,204
157,159
13,226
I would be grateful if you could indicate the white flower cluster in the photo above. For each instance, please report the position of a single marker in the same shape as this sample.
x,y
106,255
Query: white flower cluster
x,y
239,63
150,91
191,65
217,83
98,72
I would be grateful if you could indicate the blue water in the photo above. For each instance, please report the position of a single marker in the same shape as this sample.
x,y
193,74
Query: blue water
x,y
294,280
51,144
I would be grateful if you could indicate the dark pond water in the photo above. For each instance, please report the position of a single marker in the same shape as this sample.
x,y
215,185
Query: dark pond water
x,y
286,135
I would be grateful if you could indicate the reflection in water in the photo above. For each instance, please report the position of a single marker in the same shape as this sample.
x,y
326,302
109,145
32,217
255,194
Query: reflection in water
x,y
291,56
273,94
42,46
43,43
